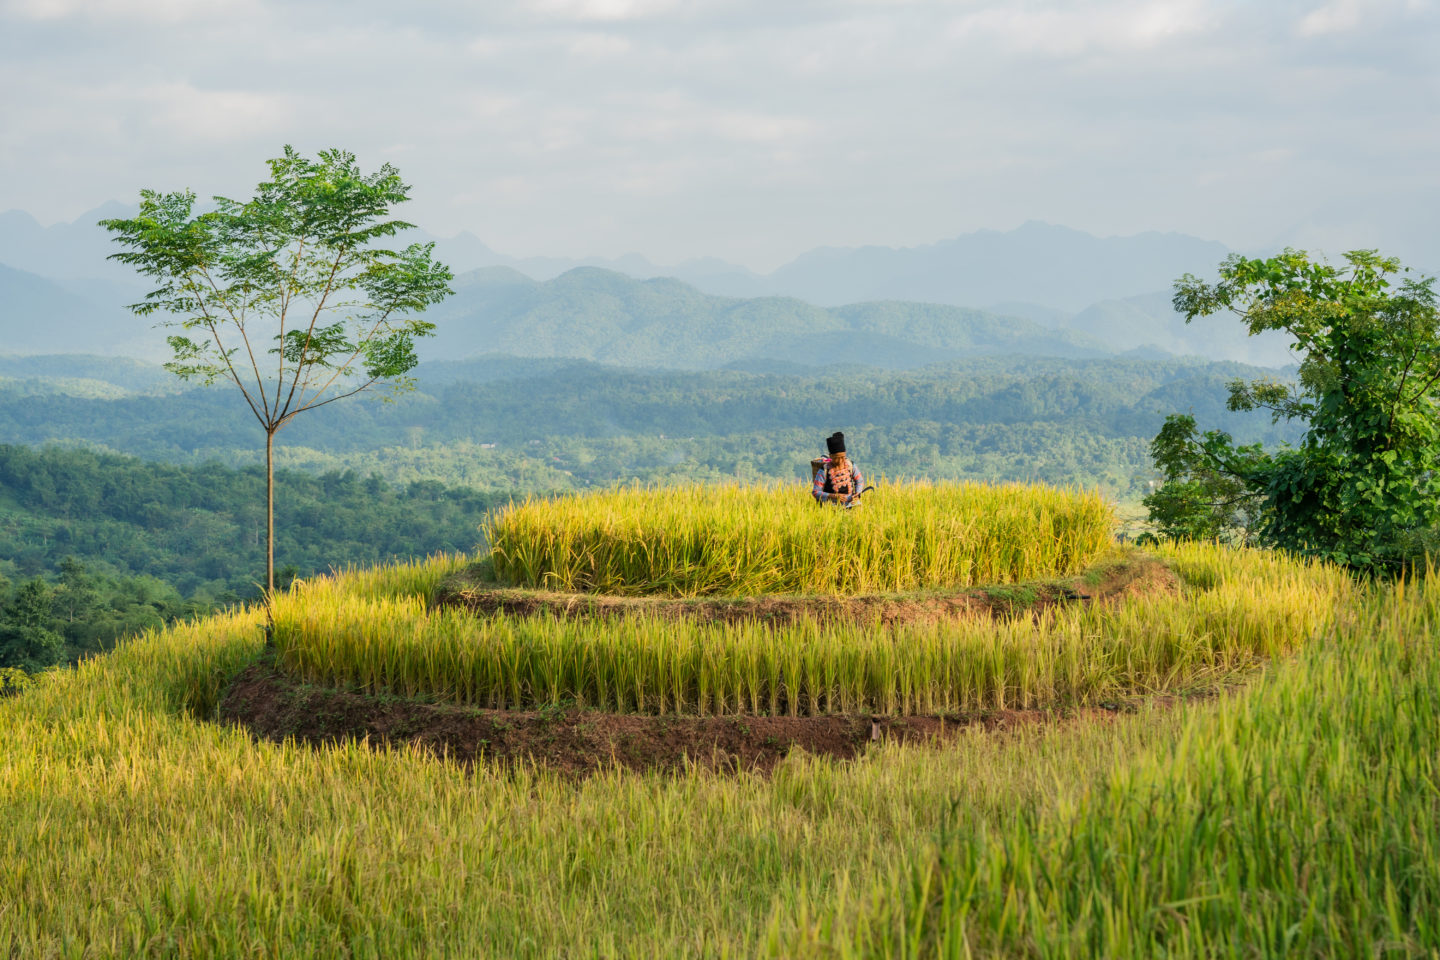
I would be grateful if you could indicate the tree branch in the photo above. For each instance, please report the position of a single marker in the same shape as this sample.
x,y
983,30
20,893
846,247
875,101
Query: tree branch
x,y
339,396
215,335
245,339
286,285
1424,388
1399,393
309,334
306,405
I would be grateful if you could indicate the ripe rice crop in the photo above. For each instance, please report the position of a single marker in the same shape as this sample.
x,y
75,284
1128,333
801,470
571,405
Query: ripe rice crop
x,y
1299,820
1253,604
745,540
1294,818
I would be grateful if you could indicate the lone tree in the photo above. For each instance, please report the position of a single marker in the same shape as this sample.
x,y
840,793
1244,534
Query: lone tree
x,y
291,296
1364,483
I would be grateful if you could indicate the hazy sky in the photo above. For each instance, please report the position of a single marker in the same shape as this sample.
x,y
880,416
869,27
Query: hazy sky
x,y
753,130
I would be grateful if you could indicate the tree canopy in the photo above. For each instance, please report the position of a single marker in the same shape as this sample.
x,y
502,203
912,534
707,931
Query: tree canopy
x,y
1361,483
291,295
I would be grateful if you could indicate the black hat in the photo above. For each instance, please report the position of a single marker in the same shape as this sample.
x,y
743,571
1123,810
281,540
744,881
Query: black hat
x,y
835,443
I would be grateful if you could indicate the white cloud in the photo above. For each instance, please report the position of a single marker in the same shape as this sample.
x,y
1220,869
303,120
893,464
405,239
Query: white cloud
x,y
1349,17
487,46
599,46
156,11
750,129
1336,17
189,114
601,10
1080,28
481,105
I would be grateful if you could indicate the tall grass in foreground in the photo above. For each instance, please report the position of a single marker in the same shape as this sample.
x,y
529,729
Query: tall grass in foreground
x,y
132,830
1302,821
747,540
1295,819
1247,605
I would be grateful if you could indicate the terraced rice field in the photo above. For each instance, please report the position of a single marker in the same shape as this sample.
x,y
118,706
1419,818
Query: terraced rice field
x,y
1295,816
1256,606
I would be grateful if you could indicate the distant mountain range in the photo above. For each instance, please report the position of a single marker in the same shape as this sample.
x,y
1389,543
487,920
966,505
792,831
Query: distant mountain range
x,y
1046,291
43,315
606,316
67,251
1037,266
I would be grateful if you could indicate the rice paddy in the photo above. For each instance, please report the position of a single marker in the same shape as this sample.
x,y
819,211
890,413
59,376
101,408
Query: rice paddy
x,y
1295,817
743,540
1250,606
1297,821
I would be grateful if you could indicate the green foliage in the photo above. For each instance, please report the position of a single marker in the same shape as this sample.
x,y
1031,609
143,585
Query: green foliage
x,y
305,244
1361,480
26,640
1205,494
564,425
305,249
14,680
125,546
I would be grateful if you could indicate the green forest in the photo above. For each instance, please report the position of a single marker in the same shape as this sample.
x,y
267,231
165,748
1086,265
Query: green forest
x,y
505,424
96,546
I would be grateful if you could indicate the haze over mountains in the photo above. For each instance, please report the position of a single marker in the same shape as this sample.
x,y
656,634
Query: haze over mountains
x,y
602,315
1037,264
1037,290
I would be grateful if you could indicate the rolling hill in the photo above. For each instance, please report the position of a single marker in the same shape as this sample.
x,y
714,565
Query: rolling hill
x,y
1046,291
601,315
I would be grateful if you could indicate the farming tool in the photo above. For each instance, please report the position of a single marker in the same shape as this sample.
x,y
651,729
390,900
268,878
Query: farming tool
x,y
855,500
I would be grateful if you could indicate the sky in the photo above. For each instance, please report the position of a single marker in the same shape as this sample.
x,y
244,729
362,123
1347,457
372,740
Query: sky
x,y
753,130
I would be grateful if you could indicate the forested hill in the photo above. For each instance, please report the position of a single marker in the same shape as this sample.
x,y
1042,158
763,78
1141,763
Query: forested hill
x,y
504,424
595,314
203,527
110,544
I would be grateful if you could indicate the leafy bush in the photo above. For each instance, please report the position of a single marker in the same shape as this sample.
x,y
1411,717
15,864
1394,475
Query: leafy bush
x,y
1362,479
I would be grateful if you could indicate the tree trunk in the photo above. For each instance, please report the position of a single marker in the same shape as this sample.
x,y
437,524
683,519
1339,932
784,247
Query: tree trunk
x,y
269,515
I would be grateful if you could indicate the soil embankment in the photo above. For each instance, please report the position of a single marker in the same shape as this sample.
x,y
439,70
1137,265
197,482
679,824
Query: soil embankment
x,y
1129,576
579,742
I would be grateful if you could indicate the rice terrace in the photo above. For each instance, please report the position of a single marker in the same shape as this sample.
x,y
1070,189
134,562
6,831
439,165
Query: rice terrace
x,y
842,480
1074,747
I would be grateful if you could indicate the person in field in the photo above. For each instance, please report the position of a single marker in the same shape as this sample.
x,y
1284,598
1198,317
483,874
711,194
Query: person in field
x,y
837,480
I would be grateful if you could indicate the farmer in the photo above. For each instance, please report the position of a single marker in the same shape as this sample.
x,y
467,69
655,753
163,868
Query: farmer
x,y
838,480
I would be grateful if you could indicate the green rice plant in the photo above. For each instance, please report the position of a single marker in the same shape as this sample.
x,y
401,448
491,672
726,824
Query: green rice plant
x,y
417,578
134,830
1258,605
1296,818
746,540
1298,821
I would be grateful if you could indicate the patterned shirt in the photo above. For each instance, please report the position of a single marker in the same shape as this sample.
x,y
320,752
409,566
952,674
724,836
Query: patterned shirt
x,y
850,486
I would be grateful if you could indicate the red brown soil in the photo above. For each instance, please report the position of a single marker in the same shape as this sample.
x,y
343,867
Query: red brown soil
x,y
579,742
1130,576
